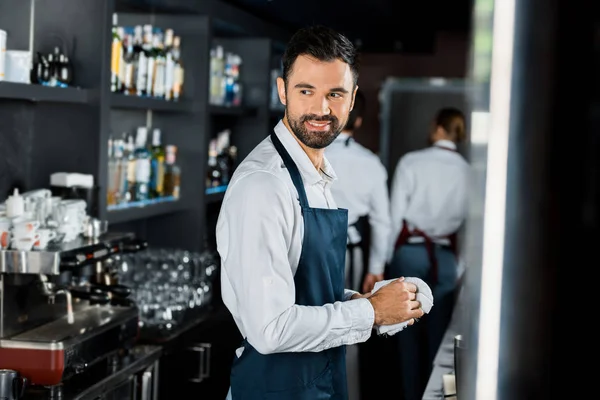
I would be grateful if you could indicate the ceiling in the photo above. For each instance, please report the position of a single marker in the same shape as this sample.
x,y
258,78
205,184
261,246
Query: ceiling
x,y
408,26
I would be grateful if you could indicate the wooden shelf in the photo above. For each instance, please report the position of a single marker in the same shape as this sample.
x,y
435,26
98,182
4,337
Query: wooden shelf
x,y
215,194
232,111
39,93
141,210
122,101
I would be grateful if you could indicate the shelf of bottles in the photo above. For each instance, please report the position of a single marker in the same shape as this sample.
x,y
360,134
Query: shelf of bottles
x,y
38,79
225,87
142,174
146,67
222,157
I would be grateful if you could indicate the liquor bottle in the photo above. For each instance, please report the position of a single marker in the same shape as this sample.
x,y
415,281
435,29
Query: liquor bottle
x,y
152,35
65,71
157,174
117,49
142,165
148,50
129,58
213,175
112,169
223,156
120,176
178,73
130,153
217,76
169,64
122,170
172,180
141,50
160,66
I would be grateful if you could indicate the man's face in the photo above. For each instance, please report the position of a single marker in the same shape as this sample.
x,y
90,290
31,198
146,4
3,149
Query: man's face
x,y
318,98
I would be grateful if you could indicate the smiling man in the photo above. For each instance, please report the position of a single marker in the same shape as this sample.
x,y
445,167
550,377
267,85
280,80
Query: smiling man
x,y
282,240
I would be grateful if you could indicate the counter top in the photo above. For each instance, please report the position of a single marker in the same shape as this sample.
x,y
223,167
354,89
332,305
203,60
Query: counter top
x,y
100,378
440,382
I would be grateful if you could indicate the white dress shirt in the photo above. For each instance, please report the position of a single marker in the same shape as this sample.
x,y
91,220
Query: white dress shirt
x,y
259,238
361,187
430,191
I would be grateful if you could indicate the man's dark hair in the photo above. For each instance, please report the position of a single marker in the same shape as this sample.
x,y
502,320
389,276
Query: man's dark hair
x,y
357,111
445,118
321,43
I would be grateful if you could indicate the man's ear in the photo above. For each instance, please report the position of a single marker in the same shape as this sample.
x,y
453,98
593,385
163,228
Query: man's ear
x,y
281,90
353,97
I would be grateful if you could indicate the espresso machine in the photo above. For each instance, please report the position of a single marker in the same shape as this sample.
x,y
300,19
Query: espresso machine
x,y
68,330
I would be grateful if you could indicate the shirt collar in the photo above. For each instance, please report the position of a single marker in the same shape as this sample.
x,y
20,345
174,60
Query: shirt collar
x,y
445,143
309,173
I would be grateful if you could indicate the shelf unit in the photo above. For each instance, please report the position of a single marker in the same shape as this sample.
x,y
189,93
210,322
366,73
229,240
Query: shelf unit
x,y
121,101
37,93
47,129
215,194
136,211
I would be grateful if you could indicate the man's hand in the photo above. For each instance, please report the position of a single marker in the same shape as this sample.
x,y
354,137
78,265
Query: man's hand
x,y
395,303
370,281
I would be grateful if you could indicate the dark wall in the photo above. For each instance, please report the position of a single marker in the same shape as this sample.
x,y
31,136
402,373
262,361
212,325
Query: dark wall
x,y
448,61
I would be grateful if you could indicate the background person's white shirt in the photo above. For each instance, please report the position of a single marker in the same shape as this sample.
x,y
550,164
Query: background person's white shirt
x,y
430,190
259,238
361,187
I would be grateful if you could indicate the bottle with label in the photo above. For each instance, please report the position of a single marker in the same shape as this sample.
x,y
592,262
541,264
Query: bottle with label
x,y
130,151
122,155
158,165
112,173
142,165
178,70
172,181
169,65
116,55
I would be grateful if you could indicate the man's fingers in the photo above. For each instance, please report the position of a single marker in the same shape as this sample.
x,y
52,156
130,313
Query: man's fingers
x,y
415,305
411,287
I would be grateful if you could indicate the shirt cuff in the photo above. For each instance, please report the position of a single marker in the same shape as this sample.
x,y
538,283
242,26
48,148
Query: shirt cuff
x,y
376,266
363,315
348,294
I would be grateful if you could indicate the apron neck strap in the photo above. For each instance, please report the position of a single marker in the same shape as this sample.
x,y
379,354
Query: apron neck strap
x,y
292,169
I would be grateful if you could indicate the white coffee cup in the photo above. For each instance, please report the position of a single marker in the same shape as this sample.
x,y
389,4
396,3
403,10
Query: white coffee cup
x,y
24,226
24,243
5,232
46,235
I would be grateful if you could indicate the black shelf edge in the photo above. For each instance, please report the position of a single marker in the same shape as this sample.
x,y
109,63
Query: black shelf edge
x,y
215,194
133,212
121,101
39,93
233,110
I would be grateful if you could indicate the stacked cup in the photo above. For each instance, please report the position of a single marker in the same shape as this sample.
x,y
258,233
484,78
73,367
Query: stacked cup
x,y
25,233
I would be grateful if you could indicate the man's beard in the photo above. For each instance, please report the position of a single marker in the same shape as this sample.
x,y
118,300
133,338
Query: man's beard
x,y
315,139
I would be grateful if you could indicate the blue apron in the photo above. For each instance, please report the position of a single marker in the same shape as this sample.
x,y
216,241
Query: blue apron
x,y
319,280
